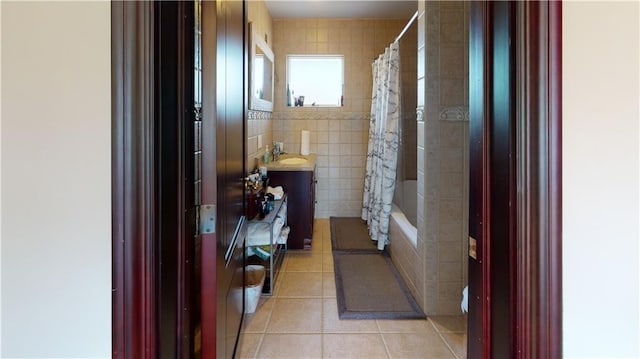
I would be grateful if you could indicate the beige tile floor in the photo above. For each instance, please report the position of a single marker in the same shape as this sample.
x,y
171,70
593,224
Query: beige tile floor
x,y
301,319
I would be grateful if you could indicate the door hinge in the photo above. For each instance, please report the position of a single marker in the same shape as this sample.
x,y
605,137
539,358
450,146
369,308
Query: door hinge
x,y
206,218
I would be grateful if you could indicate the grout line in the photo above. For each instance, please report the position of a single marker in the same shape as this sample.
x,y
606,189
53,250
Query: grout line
x,y
378,326
443,339
324,252
384,342
322,325
268,321
258,347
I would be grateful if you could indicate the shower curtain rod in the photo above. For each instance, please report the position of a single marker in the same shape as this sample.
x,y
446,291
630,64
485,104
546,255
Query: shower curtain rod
x,y
406,27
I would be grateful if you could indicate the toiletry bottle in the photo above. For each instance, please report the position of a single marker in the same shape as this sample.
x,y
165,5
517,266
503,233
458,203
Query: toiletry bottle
x,y
267,154
288,96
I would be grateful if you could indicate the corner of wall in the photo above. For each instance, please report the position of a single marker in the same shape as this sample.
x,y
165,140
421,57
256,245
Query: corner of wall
x,y
442,144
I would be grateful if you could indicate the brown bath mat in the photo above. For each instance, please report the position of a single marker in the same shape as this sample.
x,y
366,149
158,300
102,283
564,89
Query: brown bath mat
x,y
351,234
368,286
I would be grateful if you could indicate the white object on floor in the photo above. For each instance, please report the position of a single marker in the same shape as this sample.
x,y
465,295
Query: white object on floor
x,y
464,305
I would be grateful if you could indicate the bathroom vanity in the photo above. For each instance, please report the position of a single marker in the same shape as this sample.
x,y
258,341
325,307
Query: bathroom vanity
x,y
299,183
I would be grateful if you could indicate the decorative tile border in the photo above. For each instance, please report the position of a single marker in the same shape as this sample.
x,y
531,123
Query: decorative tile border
x,y
458,113
258,115
320,115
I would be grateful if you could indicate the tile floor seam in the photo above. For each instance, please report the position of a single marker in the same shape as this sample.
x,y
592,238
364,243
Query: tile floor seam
x,y
448,346
378,326
255,354
443,339
386,348
322,328
267,322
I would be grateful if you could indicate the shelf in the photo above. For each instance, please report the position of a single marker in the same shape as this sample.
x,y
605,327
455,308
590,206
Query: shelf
x,y
264,234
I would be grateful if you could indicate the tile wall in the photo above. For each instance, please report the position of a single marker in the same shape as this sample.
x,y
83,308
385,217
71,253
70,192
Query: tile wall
x,y
441,271
338,134
446,143
453,180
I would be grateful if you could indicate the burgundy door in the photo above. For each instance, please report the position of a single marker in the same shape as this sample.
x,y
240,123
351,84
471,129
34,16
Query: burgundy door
x,y
209,248
223,114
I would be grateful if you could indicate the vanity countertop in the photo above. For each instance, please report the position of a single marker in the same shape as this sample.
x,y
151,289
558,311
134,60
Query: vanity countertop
x,y
309,165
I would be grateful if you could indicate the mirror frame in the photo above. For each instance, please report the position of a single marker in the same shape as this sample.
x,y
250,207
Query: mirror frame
x,y
256,103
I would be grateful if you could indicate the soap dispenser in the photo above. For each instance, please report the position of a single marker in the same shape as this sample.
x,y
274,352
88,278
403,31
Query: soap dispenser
x,y
267,154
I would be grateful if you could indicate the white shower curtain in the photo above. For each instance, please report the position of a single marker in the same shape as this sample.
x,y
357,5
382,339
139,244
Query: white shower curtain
x,y
382,154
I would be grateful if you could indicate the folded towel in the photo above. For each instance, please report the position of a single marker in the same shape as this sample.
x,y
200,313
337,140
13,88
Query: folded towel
x,y
259,235
277,192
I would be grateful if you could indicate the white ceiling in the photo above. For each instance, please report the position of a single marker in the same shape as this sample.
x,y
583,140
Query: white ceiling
x,y
370,9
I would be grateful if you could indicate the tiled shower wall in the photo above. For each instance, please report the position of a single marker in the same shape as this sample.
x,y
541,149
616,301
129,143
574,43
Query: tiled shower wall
x,y
445,165
440,271
338,134
258,122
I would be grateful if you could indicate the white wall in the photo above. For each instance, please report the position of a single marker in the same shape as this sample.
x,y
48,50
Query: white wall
x,y
600,180
56,199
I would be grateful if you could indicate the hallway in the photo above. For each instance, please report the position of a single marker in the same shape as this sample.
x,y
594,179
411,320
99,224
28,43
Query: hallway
x,y
301,319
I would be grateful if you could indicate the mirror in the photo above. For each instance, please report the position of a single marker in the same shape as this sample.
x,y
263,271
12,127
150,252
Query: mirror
x,y
261,66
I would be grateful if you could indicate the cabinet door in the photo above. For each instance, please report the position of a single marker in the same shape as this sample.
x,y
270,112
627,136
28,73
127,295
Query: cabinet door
x,y
299,188
312,201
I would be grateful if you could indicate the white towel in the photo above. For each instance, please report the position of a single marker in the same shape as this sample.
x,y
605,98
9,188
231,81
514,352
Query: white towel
x,y
259,235
277,192
305,142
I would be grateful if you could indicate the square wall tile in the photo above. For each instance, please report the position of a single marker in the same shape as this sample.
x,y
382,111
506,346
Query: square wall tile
x,y
452,60
452,91
452,26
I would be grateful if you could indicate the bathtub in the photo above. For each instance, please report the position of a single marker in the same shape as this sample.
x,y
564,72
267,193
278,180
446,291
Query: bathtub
x,y
403,211
407,231
405,197
403,239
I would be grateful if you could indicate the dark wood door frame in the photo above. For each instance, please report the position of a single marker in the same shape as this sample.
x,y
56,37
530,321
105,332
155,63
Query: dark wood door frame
x,y
538,296
174,115
133,187
531,294
152,177
539,205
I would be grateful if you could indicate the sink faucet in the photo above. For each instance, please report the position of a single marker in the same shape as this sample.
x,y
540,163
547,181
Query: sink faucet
x,y
276,152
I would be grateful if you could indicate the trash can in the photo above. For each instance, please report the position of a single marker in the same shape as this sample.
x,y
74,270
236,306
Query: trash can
x,y
253,287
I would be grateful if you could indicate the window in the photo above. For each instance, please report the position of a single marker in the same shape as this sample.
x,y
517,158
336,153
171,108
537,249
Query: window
x,y
315,80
